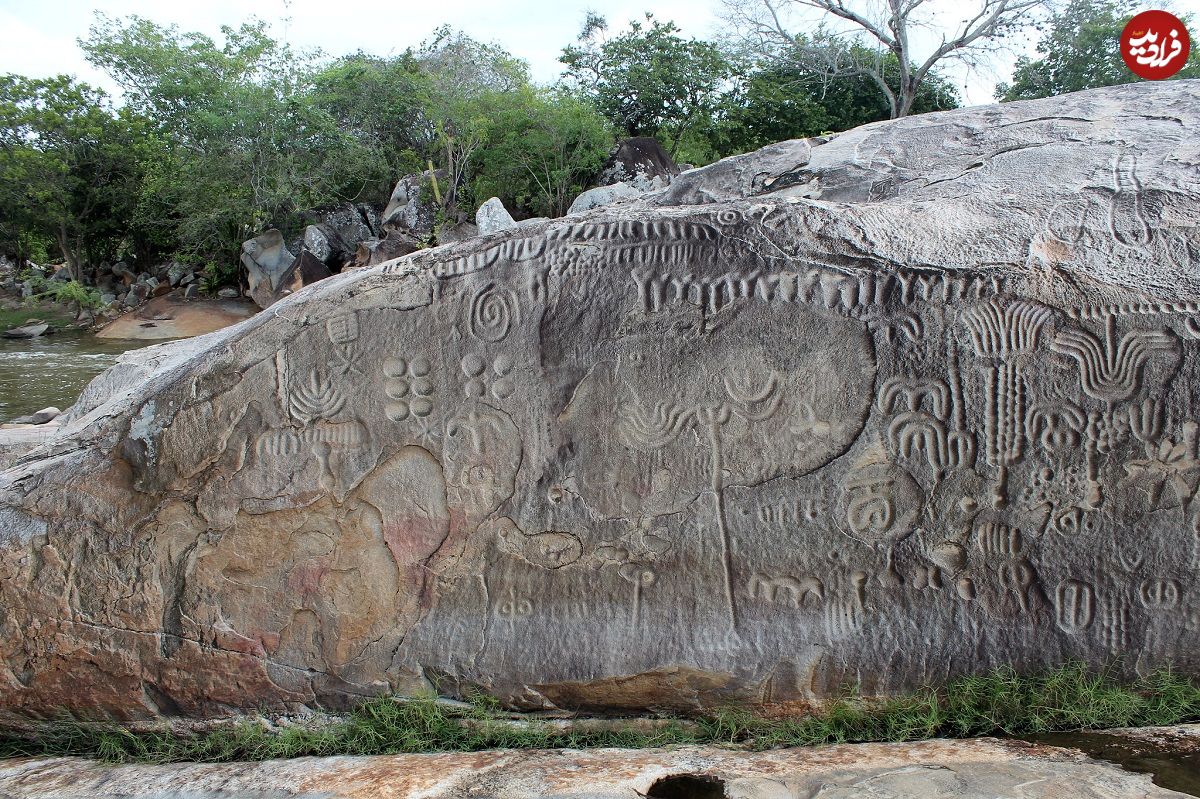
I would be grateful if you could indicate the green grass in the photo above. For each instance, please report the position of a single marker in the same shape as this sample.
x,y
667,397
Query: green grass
x,y
21,316
1072,697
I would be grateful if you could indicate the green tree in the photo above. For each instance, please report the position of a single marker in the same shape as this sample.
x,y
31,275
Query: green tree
x,y
649,81
876,39
1080,50
540,149
782,99
70,168
248,146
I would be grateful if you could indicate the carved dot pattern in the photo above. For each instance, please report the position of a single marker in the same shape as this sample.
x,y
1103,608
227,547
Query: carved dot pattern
x,y
475,368
409,386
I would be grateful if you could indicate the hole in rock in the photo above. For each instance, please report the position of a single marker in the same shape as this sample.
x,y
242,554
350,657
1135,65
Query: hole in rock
x,y
687,786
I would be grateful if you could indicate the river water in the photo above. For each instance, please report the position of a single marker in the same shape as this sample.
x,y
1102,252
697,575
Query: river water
x,y
53,370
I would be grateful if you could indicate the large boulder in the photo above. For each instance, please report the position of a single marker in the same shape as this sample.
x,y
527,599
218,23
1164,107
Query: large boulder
x,y
640,162
269,272
492,217
727,444
412,209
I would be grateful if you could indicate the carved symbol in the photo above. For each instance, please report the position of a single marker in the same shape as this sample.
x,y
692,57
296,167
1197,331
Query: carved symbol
x,y
323,437
342,330
640,576
658,427
320,399
1160,594
1004,333
1075,605
1019,577
409,385
514,608
1056,427
882,503
493,311
1109,370
998,539
475,368
998,332
910,392
767,588
1115,623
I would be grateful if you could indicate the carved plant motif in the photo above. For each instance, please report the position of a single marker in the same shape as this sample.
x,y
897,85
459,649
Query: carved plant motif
x,y
658,426
1110,370
320,399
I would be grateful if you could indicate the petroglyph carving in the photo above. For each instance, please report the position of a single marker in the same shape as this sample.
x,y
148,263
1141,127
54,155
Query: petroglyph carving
x,y
998,539
1057,427
319,399
1160,593
793,589
1002,331
1110,370
494,310
482,376
911,394
657,427
1020,578
409,386
1075,605
881,503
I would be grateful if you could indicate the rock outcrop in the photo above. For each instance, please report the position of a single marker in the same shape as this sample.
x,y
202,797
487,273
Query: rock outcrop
x,y
912,402
928,769
641,163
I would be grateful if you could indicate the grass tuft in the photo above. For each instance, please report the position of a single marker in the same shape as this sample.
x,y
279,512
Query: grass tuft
x,y
1003,702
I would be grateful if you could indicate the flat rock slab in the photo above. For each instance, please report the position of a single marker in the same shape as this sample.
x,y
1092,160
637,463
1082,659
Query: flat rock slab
x,y
977,769
170,317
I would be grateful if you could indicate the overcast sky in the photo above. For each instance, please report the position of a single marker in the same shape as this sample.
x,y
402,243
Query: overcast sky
x,y
37,37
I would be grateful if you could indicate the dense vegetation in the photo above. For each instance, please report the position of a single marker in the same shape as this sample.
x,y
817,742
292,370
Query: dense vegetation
x,y
1001,703
214,141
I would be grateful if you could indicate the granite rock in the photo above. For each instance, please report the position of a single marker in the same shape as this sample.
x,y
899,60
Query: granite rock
x,y
926,770
735,441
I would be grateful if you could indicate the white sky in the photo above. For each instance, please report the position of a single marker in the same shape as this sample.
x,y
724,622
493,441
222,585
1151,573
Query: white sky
x,y
38,38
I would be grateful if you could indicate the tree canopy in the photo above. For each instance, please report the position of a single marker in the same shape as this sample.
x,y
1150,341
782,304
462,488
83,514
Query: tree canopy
x,y
1080,50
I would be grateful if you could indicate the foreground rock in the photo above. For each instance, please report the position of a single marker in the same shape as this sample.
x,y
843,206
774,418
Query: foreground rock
x,y
910,403
928,770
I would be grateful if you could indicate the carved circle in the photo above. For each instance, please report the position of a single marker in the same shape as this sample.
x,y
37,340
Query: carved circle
x,y
396,388
396,411
492,313
504,388
880,503
421,367
729,216
395,367
473,365
421,407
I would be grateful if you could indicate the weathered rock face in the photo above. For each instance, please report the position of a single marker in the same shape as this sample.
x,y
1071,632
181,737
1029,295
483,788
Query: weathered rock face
x,y
928,769
724,444
640,162
269,272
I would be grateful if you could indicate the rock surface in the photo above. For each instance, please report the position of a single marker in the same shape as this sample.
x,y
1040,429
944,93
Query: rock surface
x,y
269,271
492,217
640,162
175,316
601,196
927,770
935,416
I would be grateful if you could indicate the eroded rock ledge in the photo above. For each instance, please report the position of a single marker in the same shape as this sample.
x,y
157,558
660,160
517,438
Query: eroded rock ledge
x,y
912,402
931,770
